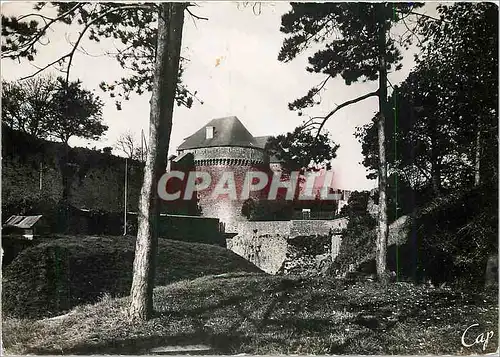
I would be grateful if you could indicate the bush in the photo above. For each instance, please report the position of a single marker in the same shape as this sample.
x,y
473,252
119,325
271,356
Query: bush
x,y
267,210
358,242
450,240
457,233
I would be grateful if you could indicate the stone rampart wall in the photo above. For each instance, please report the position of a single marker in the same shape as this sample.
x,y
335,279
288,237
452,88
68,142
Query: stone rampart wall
x,y
266,243
32,172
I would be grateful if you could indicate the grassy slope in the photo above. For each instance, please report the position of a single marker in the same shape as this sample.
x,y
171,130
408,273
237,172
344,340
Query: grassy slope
x,y
257,314
52,277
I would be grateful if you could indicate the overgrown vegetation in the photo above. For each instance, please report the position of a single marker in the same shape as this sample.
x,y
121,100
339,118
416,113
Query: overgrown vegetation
x,y
55,276
442,150
358,239
307,256
267,210
300,150
454,235
261,314
448,240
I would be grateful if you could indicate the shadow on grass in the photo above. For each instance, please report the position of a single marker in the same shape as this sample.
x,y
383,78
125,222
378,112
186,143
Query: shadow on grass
x,y
241,323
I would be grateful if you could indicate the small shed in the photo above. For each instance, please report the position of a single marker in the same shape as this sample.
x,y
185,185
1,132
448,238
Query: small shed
x,y
26,226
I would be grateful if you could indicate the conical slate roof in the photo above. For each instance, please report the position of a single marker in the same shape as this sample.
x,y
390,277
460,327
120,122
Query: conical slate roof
x,y
260,141
228,131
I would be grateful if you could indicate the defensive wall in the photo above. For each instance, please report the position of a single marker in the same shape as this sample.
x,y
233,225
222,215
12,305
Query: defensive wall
x,y
32,170
32,183
267,243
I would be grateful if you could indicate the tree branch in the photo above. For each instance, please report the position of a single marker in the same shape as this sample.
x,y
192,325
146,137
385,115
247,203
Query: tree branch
x,y
45,19
41,69
48,23
412,32
425,173
90,23
196,16
70,54
345,104
315,33
322,85
309,96
309,125
419,14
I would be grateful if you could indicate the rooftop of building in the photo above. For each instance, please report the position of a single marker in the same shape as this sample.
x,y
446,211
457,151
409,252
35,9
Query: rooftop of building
x,y
227,131
24,222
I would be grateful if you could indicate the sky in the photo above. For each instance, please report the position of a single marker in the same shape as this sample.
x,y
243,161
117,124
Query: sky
x,y
233,66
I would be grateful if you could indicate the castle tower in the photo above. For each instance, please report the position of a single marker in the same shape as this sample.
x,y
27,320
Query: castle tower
x,y
224,148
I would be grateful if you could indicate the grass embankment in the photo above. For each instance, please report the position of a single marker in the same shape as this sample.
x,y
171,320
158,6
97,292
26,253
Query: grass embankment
x,y
53,277
261,314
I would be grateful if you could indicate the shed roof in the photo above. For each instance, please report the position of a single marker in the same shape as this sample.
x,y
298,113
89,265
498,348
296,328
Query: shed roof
x,y
181,157
24,222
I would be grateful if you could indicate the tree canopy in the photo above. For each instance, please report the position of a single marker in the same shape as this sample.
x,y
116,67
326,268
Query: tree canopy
x,y
300,150
132,27
348,35
449,97
51,108
77,112
26,106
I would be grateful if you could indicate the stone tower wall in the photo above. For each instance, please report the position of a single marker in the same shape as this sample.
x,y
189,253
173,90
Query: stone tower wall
x,y
218,160
227,155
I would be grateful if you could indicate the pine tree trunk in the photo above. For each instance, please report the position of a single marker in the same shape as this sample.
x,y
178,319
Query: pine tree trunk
x,y
382,232
170,22
477,166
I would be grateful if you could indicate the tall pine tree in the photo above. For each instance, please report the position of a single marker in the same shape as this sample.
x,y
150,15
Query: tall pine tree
x,y
356,46
151,34
447,109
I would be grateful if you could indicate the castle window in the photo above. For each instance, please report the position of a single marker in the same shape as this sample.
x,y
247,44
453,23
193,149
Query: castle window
x,y
209,132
